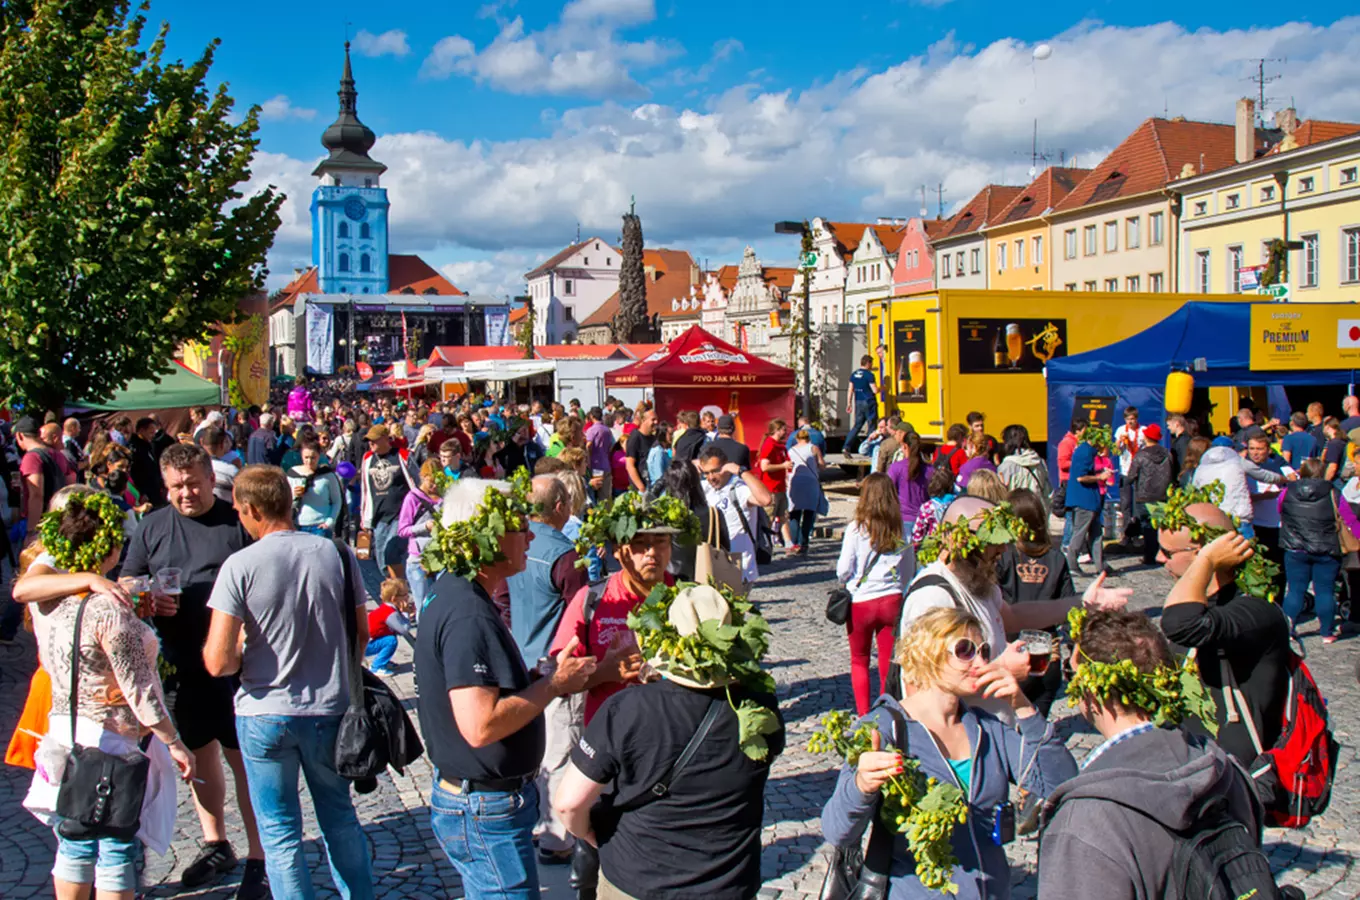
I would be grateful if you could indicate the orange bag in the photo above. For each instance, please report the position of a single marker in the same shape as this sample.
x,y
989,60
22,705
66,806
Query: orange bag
x,y
33,719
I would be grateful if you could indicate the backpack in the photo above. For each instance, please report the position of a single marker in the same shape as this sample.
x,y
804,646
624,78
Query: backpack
x,y
894,683
1294,777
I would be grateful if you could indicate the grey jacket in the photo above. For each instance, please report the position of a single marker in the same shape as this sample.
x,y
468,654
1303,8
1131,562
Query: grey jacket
x,y
1099,836
1001,755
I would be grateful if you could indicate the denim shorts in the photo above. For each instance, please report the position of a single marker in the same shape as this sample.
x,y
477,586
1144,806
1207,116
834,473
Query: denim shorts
x,y
109,864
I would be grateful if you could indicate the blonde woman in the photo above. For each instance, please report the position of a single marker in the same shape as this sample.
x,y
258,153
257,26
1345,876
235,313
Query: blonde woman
x,y
987,485
944,658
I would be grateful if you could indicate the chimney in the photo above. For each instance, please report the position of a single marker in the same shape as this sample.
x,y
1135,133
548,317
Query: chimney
x,y
1244,133
1287,120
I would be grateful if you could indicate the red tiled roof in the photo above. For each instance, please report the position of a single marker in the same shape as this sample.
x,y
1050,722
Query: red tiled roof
x,y
933,227
641,351
780,276
848,236
1155,154
1315,131
727,278
981,210
304,283
557,259
518,314
674,271
408,273
1041,195
582,351
457,355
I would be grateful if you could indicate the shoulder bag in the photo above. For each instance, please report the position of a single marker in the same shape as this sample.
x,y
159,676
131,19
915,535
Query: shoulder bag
x,y
101,793
375,731
763,545
839,600
1347,540
713,564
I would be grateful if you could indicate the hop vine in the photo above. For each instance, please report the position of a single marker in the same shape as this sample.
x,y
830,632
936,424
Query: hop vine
x,y
923,809
89,556
996,525
1099,436
618,520
1258,577
465,548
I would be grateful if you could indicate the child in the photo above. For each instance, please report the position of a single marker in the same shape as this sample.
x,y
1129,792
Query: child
x,y
386,622
941,491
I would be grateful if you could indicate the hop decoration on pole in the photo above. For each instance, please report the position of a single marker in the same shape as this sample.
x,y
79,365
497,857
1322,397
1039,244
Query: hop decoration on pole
x,y
1257,577
89,556
465,548
997,525
926,811
619,519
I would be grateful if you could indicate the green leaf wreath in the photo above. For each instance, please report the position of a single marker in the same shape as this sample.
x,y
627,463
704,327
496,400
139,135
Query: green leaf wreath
x,y
1170,693
465,548
1099,436
720,653
921,808
89,556
1257,577
996,525
618,520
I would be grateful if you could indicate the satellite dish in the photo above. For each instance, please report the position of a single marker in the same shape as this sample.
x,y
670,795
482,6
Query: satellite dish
x,y
924,212
1032,172
1043,51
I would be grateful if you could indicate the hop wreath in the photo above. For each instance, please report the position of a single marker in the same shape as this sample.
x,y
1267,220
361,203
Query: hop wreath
x,y
715,653
1257,577
997,525
923,809
1098,436
465,548
89,556
1170,693
619,519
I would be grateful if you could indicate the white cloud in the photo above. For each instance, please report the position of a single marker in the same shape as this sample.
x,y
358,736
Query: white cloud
x,y
280,107
861,145
581,55
392,42
498,274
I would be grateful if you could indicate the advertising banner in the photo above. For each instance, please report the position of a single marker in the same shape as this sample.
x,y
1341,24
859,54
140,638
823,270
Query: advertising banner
x,y
1097,409
1294,336
909,353
752,408
497,320
1001,346
320,339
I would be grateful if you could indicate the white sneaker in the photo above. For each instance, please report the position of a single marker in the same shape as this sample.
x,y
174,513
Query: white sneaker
x,y
1084,558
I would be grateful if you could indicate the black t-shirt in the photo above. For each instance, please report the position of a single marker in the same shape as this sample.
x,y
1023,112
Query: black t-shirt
x,y
198,547
1335,452
688,445
1023,577
464,643
736,452
388,485
1254,636
1349,424
637,448
702,840
1318,436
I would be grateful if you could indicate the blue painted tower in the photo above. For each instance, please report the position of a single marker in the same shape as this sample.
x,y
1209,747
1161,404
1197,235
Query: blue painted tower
x,y
349,207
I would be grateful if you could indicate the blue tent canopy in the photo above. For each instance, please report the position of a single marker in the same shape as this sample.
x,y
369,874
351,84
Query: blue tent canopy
x,y
1133,371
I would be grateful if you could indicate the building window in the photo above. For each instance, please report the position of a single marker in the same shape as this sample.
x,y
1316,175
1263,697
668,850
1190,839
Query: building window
x,y
1133,284
365,264
1233,201
945,269
1070,286
1070,244
1020,253
1350,243
1155,229
343,230
1268,193
365,232
1038,250
958,263
1111,285
1310,261
976,261
1201,207
587,260
1350,175
1202,271
1306,185
1088,235
1000,257
1155,282
1111,237
1088,286
1235,270
344,263
368,182
608,261
1132,238
568,287
568,314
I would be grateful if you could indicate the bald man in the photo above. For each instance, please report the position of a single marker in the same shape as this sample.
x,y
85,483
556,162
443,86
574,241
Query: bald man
x,y
1351,420
1241,640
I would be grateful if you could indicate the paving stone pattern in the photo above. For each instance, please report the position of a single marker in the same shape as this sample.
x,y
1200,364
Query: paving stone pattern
x,y
810,661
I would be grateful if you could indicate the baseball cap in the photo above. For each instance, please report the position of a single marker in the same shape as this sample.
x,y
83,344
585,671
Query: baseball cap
x,y
727,423
375,432
1153,432
26,425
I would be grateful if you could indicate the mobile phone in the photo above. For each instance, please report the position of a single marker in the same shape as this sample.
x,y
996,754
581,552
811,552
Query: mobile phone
x,y
1003,825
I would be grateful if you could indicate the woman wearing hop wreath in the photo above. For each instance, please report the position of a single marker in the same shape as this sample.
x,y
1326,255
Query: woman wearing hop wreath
x,y
937,771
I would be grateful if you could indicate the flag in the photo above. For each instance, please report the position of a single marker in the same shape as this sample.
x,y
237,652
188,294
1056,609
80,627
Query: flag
x,y
404,345
1348,334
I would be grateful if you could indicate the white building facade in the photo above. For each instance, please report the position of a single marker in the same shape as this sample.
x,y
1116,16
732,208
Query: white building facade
x,y
567,288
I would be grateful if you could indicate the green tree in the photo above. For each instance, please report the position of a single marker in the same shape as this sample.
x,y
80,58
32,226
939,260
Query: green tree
x,y
123,228
525,339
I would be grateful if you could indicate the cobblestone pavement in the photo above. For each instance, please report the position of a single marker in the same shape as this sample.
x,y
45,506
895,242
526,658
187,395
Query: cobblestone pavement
x,y
810,661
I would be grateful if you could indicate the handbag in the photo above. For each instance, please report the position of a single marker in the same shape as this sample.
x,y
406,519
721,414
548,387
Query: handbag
x,y
1060,499
713,564
838,601
101,793
375,731
1349,542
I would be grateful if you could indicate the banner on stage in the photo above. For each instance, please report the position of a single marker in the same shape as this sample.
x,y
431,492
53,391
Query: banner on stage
x,y
320,339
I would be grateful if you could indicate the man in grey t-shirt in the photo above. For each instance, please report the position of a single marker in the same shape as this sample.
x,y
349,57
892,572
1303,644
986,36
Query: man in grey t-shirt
x,y
278,611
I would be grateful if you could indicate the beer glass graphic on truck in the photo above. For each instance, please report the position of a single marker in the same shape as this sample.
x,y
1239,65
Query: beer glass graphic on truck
x,y
1015,344
916,370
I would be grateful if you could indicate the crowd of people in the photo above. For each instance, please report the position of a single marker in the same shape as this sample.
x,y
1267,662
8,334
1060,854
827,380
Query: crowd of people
x,y
218,588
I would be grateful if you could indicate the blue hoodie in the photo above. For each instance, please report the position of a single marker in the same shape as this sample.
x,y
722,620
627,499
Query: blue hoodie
x,y
1000,757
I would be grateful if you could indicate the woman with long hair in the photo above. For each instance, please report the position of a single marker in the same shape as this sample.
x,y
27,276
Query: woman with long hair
x,y
1311,512
1035,569
1021,466
911,476
944,660
1193,452
975,449
876,564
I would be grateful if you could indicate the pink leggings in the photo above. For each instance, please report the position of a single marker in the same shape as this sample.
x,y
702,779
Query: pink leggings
x,y
870,618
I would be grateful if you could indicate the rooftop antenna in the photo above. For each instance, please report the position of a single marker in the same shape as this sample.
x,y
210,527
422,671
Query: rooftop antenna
x,y
1261,79
578,232
924,211
1034,151
939,200
347,28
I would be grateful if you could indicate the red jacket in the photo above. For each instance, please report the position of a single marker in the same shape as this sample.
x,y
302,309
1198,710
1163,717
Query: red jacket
x,y
1065,448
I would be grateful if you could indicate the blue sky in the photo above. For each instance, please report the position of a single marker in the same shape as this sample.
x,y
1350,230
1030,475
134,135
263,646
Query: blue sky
x,y
505,124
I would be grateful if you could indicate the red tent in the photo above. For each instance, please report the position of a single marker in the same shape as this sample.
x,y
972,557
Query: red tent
x,y
700,372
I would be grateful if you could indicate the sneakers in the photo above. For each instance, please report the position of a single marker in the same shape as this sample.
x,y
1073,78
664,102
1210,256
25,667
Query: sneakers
x,y
1083,559
214,859
384,672
254,883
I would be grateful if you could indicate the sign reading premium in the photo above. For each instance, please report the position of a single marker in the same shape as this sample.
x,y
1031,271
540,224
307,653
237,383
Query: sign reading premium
x,y
909,354
1001,346
1294,336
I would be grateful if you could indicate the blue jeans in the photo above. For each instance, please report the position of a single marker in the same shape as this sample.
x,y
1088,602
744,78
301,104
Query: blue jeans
x,y
801,522
489,839
384,533
1321,569
1067,530
274,748
318,530
108,863
382,649
419,583
865,414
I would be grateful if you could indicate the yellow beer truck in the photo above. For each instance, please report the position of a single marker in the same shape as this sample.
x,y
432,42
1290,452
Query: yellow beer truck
x,y
942,355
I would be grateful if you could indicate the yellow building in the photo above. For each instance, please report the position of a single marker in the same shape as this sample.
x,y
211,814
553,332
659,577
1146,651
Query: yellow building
x,y
1019,249
1306,189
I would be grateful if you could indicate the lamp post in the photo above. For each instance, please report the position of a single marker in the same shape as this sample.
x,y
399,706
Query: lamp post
x,y
806,261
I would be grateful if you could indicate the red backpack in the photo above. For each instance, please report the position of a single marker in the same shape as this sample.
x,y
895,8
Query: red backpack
x,y
1294,777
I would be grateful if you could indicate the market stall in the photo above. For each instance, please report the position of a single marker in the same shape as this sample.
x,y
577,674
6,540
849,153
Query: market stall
x,y
697,371
169,397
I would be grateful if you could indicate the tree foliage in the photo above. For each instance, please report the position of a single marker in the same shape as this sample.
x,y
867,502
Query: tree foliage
x,y
631,322
123,227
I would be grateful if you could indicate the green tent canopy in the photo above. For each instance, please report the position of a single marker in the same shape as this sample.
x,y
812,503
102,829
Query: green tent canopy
x,y
178,388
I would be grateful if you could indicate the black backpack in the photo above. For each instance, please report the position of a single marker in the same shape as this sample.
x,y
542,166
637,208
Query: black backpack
x,y
1218,858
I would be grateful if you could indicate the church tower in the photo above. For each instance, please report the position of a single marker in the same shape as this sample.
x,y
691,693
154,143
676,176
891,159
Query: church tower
x,y
349,207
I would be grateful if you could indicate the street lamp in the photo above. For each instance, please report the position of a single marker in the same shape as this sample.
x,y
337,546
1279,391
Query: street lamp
x,y
801,228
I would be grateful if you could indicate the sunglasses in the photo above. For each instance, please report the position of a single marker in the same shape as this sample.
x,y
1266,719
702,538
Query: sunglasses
x,y
965,649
